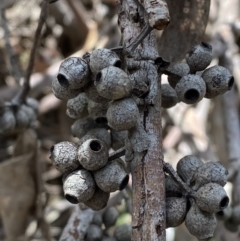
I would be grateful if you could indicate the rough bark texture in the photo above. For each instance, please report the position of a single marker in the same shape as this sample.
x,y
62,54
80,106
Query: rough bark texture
x,y
148,220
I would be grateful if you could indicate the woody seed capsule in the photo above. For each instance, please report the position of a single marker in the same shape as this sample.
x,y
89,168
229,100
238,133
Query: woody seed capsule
x,y
113,83
199,57
102,58
22,118
93,154
176,209
110,217
187,166
102,134
94,233
64,156
97,218
79,186
169,96
211,198
111,177
199,223
190,89
33,103
7,121
98,111
123,232
218,80
171,187
73,73
98,201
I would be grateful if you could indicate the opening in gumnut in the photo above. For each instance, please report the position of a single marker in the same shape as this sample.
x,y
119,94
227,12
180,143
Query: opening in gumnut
x,y
124,183
118,64
224,202
191,95
158,60
98,78
161,62
206,45
95,146
101,120
71,199
63,81
230,83
51,151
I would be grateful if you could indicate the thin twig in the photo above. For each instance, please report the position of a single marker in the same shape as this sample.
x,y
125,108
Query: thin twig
x,y
117,154
15,71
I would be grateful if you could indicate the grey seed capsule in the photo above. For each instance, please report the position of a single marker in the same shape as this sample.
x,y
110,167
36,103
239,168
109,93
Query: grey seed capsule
x,y
110,217
111,177
30,113
123,232
122,114
63,93
97,218
199,223
7,121
93,154
118,138
168,96
218,80
235,218
176,210
199,57
97,202
209,172
211,198
102,58
225,214
74,73
102,134
79,186
171,187
177,71
187,166
109,239
98,111
64,156
94,233
33,103
77,107
113,83
191,89
22,118
92,94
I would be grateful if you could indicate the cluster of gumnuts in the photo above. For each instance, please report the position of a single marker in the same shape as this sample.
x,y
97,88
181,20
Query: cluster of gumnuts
x,y
190,82
207,197
103,223
16,116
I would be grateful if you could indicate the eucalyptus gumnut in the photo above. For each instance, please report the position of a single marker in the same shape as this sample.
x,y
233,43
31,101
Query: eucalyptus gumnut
x,y
209,172
64,156
7,121
109,239
191,89
111,177
211,198
79,186
99,200
94,233
123,232
199,223
98,111
93,154
103,134
63,93
199,57
122,114
77,107
33,103
187,166
74,73
25,116
102,58
176,72
113,83
176,210
218,80
168,96
110,217
171,187
97,218
30,113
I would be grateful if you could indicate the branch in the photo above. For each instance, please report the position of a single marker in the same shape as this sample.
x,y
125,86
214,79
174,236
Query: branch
x,y
117,154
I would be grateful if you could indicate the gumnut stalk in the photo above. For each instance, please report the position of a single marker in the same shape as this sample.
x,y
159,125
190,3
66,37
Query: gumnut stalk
x,y
123,232
64,157
98,111
113,83
176,209
74,73
169,96
102,58
94,233
211,198
187,166
112,177
110,217
199,223
99,200
79,186
191,89
199,57
218,80
93,154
